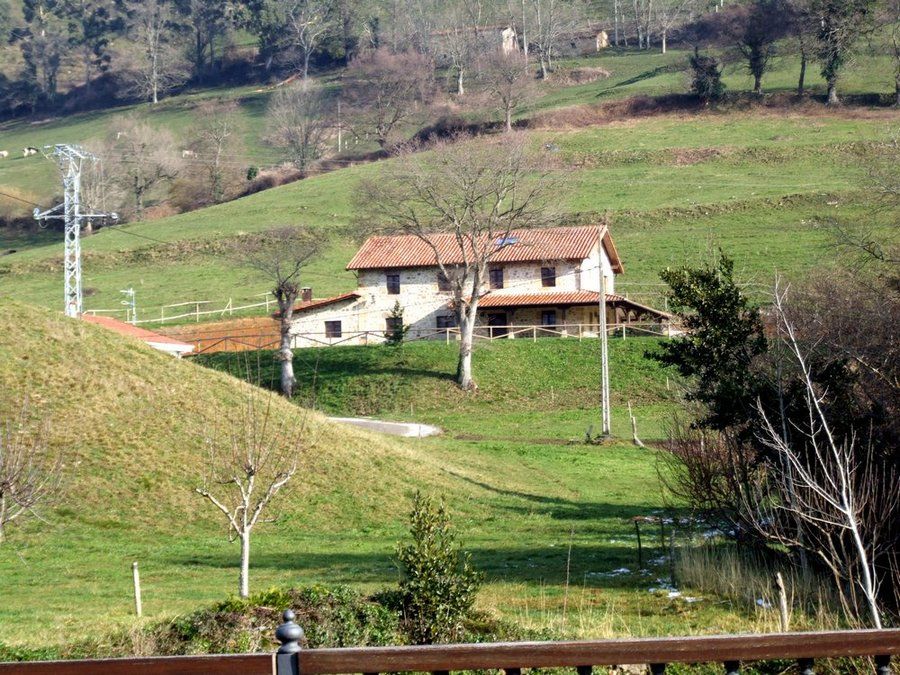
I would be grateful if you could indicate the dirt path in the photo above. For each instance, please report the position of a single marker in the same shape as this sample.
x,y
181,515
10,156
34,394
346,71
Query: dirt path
x,y
405,429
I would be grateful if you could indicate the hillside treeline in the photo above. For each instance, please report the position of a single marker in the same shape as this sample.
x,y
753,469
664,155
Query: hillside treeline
x,y
64,55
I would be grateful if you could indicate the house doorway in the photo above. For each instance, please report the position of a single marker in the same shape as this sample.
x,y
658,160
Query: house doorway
x,y
498,324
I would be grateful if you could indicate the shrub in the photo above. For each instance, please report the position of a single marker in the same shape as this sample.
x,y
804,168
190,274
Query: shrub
x,y
439,584
707,78
397,330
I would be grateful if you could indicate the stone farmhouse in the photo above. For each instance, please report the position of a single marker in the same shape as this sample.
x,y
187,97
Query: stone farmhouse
x,y
543,282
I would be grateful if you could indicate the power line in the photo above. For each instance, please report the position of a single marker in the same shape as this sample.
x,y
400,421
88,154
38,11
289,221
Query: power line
x,y
24,201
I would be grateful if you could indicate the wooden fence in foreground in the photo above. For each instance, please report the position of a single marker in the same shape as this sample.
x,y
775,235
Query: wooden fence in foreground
x,y
511,657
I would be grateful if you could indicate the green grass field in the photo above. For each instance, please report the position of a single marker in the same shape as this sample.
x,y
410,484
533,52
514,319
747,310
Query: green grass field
x,y
527,503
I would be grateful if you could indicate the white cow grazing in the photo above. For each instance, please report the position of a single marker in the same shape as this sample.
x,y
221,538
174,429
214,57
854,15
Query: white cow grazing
x,y
4,153
27,152
188,153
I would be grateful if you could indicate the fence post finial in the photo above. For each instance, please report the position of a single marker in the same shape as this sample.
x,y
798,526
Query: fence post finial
x,y
289,635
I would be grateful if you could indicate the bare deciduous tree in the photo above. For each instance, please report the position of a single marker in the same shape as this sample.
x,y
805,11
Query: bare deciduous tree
x,y
249,459
281,254
308,23
160,66
667,15
141,160
30,471
509,83
840,24
298,122
476,192
217,142
385,89
832,487
460,40
552,21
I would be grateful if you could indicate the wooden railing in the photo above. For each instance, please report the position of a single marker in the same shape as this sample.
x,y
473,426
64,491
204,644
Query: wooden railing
x,y
511,657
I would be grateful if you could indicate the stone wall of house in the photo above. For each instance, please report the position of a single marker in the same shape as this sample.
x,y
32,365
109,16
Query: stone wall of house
x,y
423,302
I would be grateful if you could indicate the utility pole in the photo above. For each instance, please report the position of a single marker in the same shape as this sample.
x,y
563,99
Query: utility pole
x,y
605,417
70,159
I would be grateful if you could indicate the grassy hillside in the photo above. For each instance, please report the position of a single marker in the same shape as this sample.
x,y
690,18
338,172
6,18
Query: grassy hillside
x,y
131,423
757,183
519,380
549,523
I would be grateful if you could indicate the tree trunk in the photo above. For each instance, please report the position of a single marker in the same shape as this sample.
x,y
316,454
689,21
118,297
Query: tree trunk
x,y
832,92
154,79
244,578
897,90
466,339
757,84
306,55
801,84
663,36
508,118
285,355
460,90
616,22
637,26
544,74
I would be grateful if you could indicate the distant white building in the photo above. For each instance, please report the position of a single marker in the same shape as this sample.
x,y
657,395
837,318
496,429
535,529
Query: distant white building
x,y
542,282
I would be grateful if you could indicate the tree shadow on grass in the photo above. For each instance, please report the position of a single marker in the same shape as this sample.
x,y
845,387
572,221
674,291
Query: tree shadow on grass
x,y
591,565
559,508
640,77
324,366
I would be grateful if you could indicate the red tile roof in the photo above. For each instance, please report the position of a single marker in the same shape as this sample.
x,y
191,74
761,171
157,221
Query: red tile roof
x,y
555,243
541,299
558,299
130,330
322,302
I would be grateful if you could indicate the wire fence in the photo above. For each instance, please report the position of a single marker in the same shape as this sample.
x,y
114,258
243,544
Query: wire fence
x,y
191,309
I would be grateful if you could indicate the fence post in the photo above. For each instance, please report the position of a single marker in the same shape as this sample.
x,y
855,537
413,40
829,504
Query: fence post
x,y
289,635
136,580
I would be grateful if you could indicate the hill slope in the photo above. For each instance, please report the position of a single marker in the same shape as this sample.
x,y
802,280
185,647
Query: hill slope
x,y
131,423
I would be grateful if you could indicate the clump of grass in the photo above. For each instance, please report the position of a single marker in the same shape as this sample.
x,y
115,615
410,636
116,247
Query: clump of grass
x,y
747,578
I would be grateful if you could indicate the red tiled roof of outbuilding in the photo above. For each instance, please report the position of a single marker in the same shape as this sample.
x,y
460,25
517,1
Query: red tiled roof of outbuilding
x,y
131,330
548,244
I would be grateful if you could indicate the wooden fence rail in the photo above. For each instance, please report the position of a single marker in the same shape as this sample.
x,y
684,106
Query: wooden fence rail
x,y
511,657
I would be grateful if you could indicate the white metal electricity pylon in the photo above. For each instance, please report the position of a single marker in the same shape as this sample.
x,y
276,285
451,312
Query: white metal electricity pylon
x,y
70,159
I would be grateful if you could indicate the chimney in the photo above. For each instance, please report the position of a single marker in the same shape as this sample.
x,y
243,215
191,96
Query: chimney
x,y
306,294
